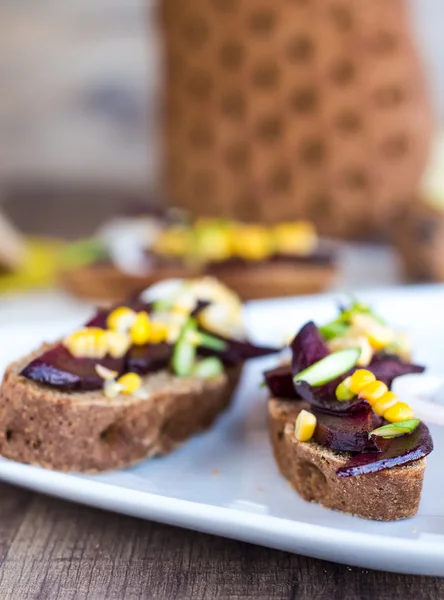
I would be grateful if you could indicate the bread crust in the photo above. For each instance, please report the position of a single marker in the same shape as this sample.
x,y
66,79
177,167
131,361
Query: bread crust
x,y
310,468
87,432
255,281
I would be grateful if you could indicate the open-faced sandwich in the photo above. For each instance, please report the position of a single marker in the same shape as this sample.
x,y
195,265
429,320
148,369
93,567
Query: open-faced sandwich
x,y
339,435
135,381
256,261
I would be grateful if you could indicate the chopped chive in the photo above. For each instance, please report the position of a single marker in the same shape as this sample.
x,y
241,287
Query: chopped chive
x,y
208,368
210,341
393,430
333,330
184,353
332,366
343,391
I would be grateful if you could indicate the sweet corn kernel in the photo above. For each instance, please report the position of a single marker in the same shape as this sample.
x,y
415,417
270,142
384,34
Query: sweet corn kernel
x,y
252,242
105,374
399,412
175,241
305,426
360,379
90,342
295,238
120,319
141,329
213,243
158,333
373,391
130,383
385,402
378,335
353,341
118,343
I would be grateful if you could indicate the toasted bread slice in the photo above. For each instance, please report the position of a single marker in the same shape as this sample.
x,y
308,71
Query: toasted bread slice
x,y
272,279
105,282
311,470
262,280
88,432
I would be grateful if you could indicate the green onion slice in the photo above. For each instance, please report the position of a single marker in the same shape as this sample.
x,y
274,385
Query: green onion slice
x,y
208,368
393,430
332,366
184,353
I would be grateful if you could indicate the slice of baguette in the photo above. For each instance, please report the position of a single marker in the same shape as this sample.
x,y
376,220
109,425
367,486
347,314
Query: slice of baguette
x,y
87,432
311,470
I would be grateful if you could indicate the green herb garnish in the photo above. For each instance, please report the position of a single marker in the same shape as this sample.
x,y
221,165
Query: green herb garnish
x,y
393,430
343,391
208,368
185,351
205,340
332,366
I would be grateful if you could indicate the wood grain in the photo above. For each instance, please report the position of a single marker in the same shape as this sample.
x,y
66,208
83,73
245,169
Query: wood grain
x,y
54,550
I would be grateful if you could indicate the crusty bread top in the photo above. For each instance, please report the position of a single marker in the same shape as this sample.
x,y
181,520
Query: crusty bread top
x,y
157,385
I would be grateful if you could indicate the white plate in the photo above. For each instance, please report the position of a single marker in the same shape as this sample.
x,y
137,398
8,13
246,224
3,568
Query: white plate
x,y
226,482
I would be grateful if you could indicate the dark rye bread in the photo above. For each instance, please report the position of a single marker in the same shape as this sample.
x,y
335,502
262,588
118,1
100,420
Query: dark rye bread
x,y
105,282
275,278
311,470
87,432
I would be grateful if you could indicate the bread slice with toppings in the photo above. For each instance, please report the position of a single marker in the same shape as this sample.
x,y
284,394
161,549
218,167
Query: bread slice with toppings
x,y
89,432
310,468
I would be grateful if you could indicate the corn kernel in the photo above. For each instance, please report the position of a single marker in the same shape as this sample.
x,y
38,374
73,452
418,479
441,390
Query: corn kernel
x,y
399,412
89,342
175,241
295,238
159,332
141,329
118,343
305,426
386,401
378,335
373,391
353,341
252,242
130,383
360,379
105,374
120,319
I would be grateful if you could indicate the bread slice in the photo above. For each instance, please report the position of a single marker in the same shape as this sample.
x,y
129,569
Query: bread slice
x,y
277,278
253,281
87,432
311,470
105,282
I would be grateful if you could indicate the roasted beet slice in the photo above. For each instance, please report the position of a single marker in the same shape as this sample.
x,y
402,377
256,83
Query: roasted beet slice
x,y
280,382
59,369
327,404
308,347
387,367
349,434
236,351
99,319
148,359
398,451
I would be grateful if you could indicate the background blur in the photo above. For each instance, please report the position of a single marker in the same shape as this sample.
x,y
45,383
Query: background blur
x,y
78,106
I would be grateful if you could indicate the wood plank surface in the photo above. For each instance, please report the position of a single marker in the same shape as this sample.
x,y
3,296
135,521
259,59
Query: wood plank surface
x,y
55,550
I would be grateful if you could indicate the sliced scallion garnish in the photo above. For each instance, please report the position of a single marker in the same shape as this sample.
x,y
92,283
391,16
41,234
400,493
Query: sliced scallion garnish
x,y
184,353
208,368
393,430
332,366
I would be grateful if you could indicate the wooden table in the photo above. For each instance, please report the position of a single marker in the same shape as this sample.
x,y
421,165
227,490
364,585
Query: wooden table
x,y
50,549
